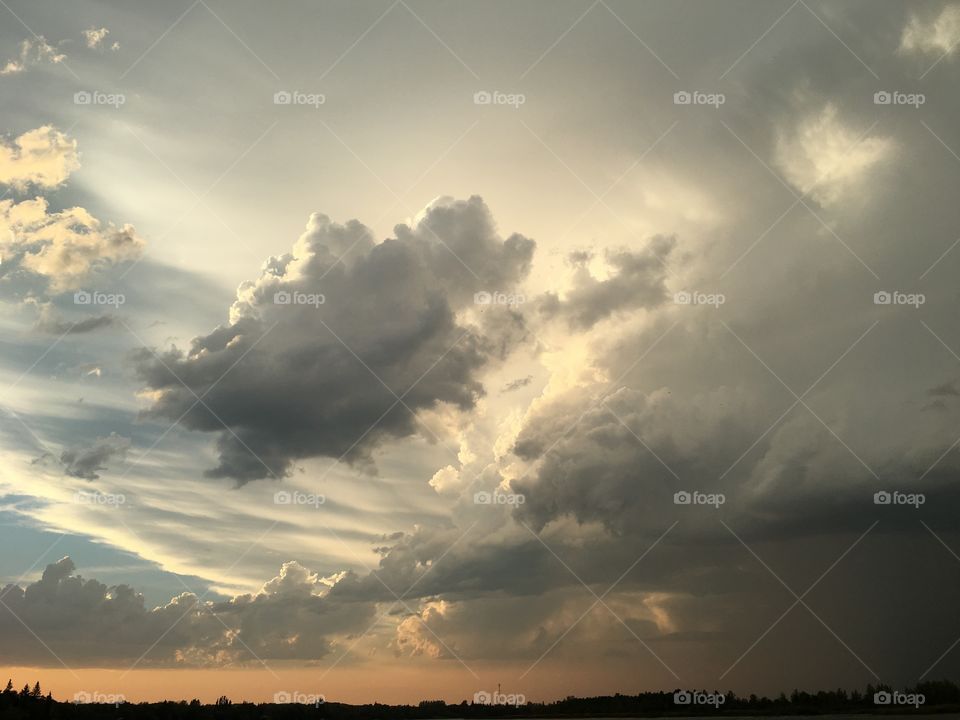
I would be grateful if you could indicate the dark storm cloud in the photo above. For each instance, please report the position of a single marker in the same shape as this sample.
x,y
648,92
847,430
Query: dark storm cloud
x,y
321,346
704,417
799,292
88,462
699,600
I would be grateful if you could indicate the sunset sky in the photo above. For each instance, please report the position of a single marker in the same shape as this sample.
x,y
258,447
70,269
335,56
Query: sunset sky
x,y
372,349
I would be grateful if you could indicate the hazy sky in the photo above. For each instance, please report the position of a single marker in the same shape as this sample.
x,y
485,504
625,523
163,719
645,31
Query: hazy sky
x,y
363,348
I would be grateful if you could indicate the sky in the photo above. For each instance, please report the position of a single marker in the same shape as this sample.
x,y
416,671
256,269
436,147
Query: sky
x,y
401,349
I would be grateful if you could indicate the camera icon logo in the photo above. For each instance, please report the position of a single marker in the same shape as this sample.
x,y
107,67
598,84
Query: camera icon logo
x,y
682,298
82,297
882,498
281,297
482,298
882,298
882,698
682,497
82,98
482,97
282,697
682,97
682,697
282,497
82,697
481,697
882,97
282,97
482,498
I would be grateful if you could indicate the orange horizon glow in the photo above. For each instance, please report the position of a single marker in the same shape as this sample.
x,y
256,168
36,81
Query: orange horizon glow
x,y
448,681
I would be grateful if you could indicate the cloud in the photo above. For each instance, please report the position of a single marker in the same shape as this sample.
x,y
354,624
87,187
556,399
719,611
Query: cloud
x,y
825,158
637,280
697,418
509,628
85,623
593,467
50,322
947,389
63,249
88,462
517,384
446,480
43,157
46,253
348,326
95,36
33,51
293,616
938,35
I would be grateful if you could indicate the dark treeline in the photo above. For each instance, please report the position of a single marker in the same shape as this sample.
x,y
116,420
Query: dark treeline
x,y
937,697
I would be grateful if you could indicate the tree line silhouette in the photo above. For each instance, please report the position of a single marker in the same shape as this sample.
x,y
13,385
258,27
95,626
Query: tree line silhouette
x,y
938,697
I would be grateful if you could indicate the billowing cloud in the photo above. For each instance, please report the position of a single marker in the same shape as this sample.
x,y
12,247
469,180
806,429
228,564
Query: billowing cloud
x,y
87,462
63,249
446,479
43,157
33,51
84,622
357,337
